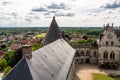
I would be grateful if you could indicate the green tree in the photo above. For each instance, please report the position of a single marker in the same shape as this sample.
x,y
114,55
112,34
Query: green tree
x,y
3,63
6,70
36,46
6,56
12,59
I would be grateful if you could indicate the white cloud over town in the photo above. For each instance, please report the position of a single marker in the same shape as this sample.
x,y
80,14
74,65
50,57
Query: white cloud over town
x,y
68,12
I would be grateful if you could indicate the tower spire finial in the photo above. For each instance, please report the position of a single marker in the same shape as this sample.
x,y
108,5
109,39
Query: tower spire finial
x,y
53,17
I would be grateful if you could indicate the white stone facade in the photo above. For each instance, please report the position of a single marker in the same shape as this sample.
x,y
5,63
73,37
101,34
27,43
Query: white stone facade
x,y
108,49
109,43
87,55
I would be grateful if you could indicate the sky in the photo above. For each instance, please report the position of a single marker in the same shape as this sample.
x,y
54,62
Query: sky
x,y
68,13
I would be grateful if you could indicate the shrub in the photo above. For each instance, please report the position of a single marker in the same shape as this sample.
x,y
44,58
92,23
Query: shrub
x,y
12,59
109,65
6,70
36,46
3,63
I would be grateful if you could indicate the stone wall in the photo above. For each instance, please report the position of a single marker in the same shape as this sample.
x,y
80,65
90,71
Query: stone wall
x,y
87,55
71,75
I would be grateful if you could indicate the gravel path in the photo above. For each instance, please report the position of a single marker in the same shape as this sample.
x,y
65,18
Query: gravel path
x,y
84,71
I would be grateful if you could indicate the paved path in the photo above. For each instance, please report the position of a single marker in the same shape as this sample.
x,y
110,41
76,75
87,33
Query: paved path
x,y
84,71
1,74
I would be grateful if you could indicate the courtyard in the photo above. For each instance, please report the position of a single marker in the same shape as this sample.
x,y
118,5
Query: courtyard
x,y
85,71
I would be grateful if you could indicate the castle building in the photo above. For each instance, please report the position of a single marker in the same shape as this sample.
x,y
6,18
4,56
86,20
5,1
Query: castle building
x,y
87,53
54,61
109,45
106,50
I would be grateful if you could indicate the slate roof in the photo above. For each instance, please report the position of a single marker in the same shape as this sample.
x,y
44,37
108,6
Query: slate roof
x,y
52,34
51,62
20,72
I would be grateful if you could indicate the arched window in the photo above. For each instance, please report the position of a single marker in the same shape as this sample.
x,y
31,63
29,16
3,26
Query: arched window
x,y
87,52
105,55
112,55
82,52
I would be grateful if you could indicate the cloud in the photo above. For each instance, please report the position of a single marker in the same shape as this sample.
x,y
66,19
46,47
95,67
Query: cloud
x,y
36,17
28,19
58,6
47,14
115,17
53,11
7,16
65,14
73,0
39,9
14,14
6,3
107,17
112,5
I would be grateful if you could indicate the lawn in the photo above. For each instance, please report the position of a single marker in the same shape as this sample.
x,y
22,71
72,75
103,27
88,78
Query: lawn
x,y
97,76
40,35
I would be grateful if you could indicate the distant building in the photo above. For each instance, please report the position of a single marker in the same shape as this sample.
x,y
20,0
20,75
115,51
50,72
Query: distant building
x,y
15,46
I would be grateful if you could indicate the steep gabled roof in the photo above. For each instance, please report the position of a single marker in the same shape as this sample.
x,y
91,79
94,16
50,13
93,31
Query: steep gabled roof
x,y
53,33
51,62
20,72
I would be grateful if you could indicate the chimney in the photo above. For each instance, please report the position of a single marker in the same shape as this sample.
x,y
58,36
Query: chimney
x,y
112,25
104,25
60,34
108,25
27,52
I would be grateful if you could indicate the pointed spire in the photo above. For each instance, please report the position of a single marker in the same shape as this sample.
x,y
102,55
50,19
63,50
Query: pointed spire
x,y
52,33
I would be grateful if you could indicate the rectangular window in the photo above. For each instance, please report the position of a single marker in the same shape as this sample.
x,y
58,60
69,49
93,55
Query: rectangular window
x,y
95,53
106,42
112,43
